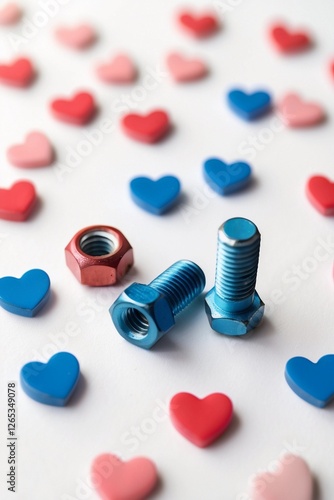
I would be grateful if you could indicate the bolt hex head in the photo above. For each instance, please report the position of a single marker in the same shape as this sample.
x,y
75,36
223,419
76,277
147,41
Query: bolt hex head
x,y
233,323
142,315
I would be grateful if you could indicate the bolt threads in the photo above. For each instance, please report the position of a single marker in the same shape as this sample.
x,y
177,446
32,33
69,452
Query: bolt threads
x,y
136,322
236,270
98,243
181,283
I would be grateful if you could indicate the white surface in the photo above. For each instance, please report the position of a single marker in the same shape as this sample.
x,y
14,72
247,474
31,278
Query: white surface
x,y
124,384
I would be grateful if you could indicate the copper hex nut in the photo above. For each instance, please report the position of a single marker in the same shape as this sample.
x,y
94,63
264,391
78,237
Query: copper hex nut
x,y
99,255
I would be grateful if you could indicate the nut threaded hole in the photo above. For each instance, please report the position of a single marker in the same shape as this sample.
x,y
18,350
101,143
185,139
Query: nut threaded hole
x,y
136,322
98,243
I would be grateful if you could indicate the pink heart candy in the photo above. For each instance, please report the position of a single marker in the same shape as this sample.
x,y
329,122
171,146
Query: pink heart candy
x,y
117,480
185,70
10,14
78,37
292,480
36,151
297,113
120,70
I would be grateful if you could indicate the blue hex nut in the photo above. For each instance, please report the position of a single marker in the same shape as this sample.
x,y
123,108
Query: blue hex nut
x,y
233,306
143,314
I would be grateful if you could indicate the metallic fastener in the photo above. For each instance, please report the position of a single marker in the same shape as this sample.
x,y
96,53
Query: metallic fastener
x,y
99,255
142,314
233,306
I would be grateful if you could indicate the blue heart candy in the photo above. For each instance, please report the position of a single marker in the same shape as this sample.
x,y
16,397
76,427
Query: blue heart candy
x,y
51,383
313,382
226,178
155,196
27,295
249,106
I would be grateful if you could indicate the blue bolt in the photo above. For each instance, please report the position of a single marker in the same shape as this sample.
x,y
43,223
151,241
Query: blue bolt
x,y
142,314
233,306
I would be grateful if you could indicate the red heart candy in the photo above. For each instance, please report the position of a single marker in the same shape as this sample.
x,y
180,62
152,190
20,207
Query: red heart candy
x,y
199,26
320,192
20,73
17,202
201,421
150,128
331,68
78,110
288,41
117,480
